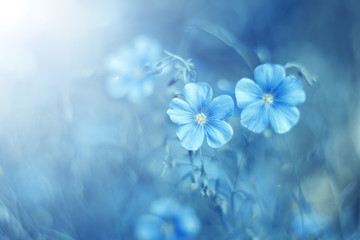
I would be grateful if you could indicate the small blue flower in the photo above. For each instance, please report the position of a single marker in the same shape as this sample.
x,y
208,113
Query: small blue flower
x,y
271,99
131,69
167,221
199,116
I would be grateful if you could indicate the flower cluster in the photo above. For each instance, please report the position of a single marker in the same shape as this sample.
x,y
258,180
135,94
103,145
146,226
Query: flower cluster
x,y
269,100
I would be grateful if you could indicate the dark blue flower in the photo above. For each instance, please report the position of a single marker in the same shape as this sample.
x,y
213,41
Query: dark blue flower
x,y
168,221
270,99
199,116
131,69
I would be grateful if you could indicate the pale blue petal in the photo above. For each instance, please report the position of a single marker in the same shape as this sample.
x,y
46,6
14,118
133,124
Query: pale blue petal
x,y
163,207
146,48
218,133
255,117
198,95
290,92
120,62
180,112
187,222
118,87
247,92
141,89
221,107
268,76
191,136
149,228
282,118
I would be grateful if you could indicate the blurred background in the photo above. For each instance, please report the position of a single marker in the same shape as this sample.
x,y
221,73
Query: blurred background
x,y
77,162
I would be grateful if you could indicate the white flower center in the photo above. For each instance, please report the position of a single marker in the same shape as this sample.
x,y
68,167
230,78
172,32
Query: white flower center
x,y
201,118
268,98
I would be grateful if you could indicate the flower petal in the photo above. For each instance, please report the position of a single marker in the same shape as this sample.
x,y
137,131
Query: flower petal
x,y
118,87
198,95
149,227
191,135
255,117
180,112
187,223
146,49
164,207
118,62
282,118
268,76
290,92
221,107
218,133
141,89
247,92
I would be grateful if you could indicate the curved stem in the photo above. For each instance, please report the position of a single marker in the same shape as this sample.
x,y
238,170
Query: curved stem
x,y
203,172
178,58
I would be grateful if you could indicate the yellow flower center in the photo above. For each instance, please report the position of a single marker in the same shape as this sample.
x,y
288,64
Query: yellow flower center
x,y
268,98
201,118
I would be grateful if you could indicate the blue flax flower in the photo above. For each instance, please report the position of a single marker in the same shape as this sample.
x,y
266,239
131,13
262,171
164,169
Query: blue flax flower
x,y
132,69
270,99
168,221
200,116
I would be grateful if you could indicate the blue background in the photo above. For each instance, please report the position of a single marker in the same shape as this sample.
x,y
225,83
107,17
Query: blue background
x,y
77,164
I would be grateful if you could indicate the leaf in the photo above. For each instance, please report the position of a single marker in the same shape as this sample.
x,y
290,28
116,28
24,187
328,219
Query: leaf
x,y
295,69
249,56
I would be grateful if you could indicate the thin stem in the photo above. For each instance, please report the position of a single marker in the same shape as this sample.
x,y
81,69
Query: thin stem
x,y
204,177
248,140
185,71
178,58
165,62
191,157
203,172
